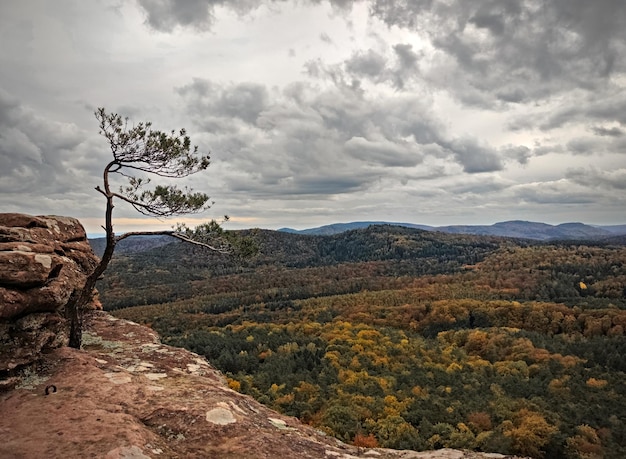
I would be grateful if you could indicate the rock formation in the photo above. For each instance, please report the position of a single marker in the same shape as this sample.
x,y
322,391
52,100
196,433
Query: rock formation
x,y
126,396
42,260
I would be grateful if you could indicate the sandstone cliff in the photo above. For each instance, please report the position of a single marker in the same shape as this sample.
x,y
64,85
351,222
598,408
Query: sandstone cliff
x,y
42,260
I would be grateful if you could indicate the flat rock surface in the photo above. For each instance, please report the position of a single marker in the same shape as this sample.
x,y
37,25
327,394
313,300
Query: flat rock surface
x,y
126,396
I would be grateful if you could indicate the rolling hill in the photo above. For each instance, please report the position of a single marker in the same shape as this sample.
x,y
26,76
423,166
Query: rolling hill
x,y
516,228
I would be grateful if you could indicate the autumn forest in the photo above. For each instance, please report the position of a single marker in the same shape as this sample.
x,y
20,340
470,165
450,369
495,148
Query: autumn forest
x,y
402,338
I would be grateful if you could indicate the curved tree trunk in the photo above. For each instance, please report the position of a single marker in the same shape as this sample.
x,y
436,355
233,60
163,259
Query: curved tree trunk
x,y
79,298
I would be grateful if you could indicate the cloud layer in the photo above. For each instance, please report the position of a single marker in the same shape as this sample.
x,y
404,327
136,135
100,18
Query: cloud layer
x,y
431,111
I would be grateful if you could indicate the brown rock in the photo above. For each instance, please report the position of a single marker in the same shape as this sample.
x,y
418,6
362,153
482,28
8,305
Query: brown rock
x,y
26,269
42,261
26,247
21,220
29,337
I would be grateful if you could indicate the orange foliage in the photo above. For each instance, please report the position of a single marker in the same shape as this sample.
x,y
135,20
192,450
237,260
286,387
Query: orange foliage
x,y
362,441
480,420
234,385
597,383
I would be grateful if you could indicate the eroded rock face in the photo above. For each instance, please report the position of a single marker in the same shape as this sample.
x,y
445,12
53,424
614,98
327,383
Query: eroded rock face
x,y
42,261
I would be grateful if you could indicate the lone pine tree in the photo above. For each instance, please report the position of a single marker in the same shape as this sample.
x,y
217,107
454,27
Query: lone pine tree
x,y
140,152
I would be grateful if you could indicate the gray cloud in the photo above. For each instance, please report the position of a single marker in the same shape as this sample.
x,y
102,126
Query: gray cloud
x,y
594,178
244,101
407,64
326,38
407,57
510,50
383,152
605,106
366,64
473,156
166,15
33,150
496,51
554,194
607,132
585,145
479,187
521,154
521,49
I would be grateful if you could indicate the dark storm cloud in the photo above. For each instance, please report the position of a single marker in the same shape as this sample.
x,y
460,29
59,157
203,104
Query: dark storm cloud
x,y
376,105
281,144
311,185
400,67
326,138
401,117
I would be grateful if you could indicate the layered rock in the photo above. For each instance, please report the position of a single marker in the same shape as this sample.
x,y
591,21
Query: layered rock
x,y
42,261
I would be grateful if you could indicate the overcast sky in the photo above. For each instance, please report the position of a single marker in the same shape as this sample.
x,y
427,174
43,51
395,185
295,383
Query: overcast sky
x,y
427,111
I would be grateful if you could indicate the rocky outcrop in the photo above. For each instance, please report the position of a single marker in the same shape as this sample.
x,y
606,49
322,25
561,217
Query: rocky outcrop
x,y
125,395
42,260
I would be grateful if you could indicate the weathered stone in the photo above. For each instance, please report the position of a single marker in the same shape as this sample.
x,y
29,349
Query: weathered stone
x,y
26,247
25,269
220,416
42,261
126,452
24,340
22,221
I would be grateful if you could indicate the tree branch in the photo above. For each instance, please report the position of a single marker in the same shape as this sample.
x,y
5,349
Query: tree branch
x,y
174,234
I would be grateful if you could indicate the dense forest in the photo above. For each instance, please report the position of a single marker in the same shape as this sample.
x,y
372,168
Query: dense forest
x,y
402,338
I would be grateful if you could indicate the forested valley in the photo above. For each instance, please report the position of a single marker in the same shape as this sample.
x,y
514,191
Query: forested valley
x,y
402,338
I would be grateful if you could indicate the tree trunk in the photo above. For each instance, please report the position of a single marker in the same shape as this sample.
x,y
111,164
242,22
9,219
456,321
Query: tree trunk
x,y
76,322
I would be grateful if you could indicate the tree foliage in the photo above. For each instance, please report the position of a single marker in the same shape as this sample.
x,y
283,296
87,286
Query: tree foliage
x,y
403,338
140,152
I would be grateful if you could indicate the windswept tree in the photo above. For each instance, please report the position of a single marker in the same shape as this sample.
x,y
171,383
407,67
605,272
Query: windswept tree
x,y
140,152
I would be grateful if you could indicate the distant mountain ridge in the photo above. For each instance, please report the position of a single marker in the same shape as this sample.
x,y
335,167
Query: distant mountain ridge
x,y
514,228
336,228
130,245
